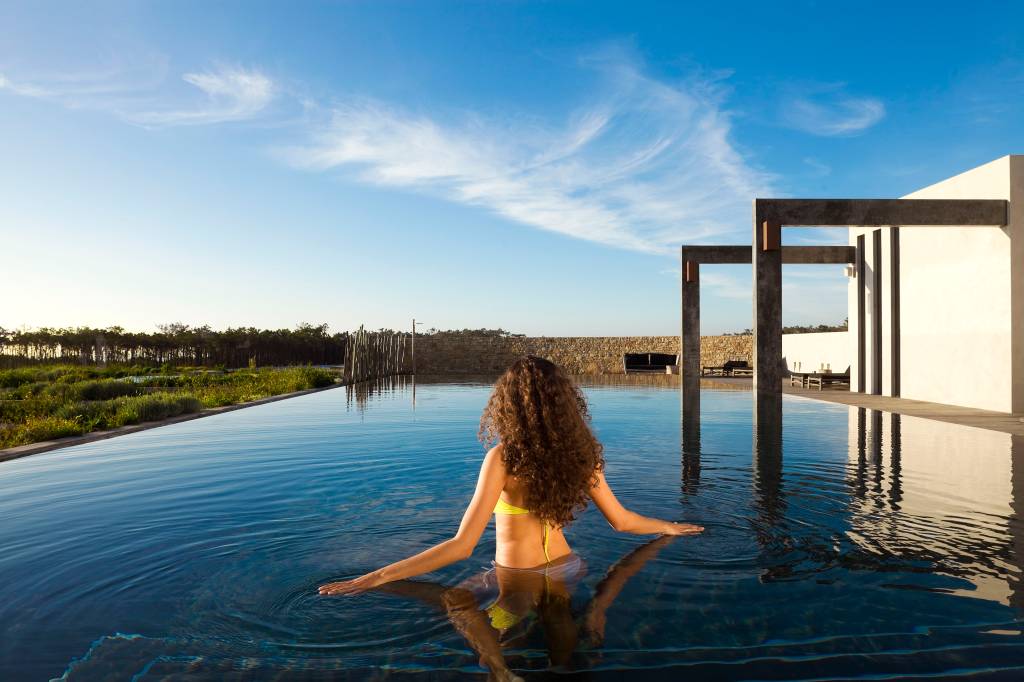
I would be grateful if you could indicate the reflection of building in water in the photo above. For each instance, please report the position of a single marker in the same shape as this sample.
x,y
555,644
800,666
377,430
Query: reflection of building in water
x,y
945,494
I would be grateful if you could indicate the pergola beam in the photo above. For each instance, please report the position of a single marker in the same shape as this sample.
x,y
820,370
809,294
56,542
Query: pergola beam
x,y
721,254
808,255
716,255
882,212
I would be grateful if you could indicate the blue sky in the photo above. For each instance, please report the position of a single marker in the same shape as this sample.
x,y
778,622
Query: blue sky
x,y
531,166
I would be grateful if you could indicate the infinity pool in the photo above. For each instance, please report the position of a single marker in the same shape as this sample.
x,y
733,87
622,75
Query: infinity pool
x,y
873,546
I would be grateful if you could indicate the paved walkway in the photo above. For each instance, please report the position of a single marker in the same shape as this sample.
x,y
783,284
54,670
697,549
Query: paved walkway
x,y
967,416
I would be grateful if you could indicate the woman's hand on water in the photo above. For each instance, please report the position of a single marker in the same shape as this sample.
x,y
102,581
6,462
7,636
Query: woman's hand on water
x,y
682,529
354,586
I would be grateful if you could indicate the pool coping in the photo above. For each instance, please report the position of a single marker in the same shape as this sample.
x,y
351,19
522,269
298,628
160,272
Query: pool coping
x,y
20,451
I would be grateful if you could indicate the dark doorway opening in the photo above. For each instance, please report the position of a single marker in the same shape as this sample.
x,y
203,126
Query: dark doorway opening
x,y
647,362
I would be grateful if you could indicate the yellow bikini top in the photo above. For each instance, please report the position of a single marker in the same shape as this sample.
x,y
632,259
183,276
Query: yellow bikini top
x,y
503,507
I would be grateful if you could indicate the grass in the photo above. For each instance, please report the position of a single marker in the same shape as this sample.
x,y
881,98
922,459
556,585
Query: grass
x,y
52,401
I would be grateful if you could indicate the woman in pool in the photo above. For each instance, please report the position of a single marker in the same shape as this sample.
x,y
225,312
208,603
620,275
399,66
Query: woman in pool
x,y
544,468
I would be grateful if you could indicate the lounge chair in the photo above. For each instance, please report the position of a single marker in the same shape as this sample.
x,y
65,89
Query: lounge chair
x,y
821,379
730,368
799,378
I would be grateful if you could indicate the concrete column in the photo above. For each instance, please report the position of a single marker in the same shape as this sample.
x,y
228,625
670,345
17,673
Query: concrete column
x,y
767,262
690,340
691,320
894,311
1015,231
858,381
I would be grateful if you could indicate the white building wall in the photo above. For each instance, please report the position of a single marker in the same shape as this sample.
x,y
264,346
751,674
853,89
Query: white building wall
x,y
808,352
956,321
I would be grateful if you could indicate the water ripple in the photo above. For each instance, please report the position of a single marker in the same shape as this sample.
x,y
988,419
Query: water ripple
x,y
873,546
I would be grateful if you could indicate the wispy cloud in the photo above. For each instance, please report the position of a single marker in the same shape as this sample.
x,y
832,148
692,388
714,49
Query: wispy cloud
x,y
645,164
96,88
828,111
645,167
228,93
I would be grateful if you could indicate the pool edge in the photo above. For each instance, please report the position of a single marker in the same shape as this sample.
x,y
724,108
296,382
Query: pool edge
x,y
19,451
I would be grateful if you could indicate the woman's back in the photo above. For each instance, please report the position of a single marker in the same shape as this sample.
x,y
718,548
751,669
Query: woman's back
x,y
523,540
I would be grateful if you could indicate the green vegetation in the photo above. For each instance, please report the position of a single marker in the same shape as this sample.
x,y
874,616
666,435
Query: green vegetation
x,y
51,401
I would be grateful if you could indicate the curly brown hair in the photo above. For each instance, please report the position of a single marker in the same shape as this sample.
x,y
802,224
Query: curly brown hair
x,y
542,421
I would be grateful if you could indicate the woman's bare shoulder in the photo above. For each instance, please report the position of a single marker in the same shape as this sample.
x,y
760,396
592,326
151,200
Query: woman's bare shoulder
x,y
494,459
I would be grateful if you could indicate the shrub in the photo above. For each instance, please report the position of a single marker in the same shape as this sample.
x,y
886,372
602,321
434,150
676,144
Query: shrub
x,y
316,378
73,375
135,409
38,429
18,411
32,390
162,382
97,389
91,414
12,378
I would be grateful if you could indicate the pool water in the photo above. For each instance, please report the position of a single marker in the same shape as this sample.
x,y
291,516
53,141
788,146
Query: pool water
x,y
873,546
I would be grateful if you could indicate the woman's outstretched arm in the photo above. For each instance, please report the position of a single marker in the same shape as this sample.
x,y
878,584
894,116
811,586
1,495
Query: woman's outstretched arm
x,y
488,488
626,521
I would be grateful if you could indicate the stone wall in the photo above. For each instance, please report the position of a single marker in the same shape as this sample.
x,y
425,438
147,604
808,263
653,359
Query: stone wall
x,y
576,354
716,350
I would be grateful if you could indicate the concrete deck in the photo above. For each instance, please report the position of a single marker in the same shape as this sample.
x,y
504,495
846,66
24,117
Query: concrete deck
x,y
966,416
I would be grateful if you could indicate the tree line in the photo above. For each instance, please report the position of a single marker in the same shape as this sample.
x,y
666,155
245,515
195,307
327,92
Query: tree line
x,y
175,344
180,344
803,329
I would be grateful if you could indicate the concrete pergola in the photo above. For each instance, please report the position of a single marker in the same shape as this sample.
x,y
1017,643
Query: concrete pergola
x,y
691,259
767,255
693,256
771,215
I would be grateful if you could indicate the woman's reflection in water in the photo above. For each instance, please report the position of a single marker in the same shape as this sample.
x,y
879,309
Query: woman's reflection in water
x,y
503,607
